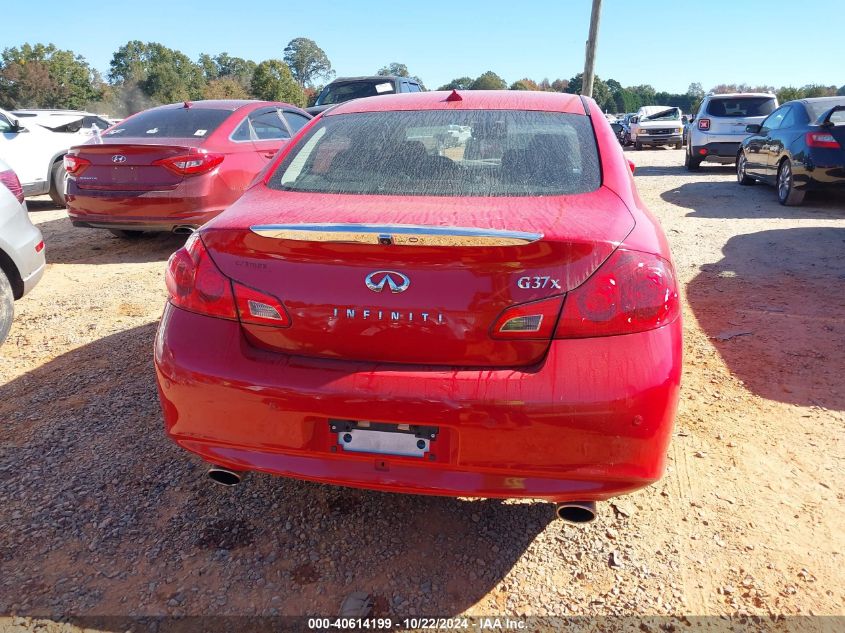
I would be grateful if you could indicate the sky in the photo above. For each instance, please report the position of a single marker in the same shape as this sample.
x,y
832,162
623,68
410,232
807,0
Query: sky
x,y
666,44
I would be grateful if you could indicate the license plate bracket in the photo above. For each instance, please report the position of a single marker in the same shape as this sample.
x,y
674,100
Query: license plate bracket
x,y
361,436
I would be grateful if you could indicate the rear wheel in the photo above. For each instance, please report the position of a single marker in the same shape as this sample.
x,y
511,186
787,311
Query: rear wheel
x,y
691,162
57,183
788,195
7,306
126,235
638,146
742,176
679,145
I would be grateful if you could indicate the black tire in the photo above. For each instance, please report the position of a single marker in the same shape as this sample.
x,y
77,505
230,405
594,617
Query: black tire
x,y
742,176
679,145
788,195
126,235
690,162
7,306
57,184
638,146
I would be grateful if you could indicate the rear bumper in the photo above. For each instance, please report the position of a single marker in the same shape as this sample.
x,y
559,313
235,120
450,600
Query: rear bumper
x,y
18,239
591,421
720,150
820,177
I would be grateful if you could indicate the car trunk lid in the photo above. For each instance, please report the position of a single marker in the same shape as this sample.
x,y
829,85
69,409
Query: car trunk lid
x,y
338,264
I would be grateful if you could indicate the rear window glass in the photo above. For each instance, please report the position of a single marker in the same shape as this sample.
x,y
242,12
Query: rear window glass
x,y
741,106
338,93
171,123
445,153
818,108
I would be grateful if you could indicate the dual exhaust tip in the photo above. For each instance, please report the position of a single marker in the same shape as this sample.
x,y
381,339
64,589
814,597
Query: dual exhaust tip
x,y
569,511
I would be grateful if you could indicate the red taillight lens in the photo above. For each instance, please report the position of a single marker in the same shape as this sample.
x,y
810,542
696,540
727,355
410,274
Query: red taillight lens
x,y
10,179
704,124
75,165
535,320
195,283
259,308
39,247
822,139
631,292
191,164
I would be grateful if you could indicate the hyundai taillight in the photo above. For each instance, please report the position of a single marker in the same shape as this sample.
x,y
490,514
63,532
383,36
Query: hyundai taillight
x,y
630,292
75,165
822,139
10,179
191,164
704,124
195,283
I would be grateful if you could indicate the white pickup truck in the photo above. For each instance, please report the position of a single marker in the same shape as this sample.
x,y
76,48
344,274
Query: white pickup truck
x,y
35,154
657,125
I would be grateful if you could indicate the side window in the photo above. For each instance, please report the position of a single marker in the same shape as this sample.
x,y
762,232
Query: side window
x,y
269,125
790,120
243,132
775,119
415,87
404,87
295,120
5,125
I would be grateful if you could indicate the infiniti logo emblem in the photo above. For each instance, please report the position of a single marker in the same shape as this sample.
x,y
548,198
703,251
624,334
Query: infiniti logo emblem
x,y
118,158
397,282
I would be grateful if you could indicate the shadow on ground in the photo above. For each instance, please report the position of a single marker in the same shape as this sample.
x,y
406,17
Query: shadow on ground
x,y
775,310
103,515
66,244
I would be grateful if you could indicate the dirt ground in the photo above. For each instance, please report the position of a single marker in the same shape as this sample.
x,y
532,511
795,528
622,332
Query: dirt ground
x,y
101,515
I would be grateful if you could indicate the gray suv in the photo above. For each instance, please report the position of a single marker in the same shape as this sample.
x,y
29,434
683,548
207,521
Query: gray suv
x,y
718,127
348,88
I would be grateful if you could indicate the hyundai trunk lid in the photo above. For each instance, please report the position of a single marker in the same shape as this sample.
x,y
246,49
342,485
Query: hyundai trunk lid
x,y
132,164
382,278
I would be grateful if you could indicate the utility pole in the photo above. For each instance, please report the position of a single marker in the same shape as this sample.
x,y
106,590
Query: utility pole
x,y
590,59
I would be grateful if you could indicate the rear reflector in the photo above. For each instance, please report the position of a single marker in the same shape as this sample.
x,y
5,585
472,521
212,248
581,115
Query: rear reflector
x,y
75,165
822,139
259,308
10,179
631,292
535,320
703,151
39,247
704,124
191,164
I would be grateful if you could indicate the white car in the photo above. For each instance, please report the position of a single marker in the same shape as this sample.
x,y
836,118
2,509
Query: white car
x,y
35,154
718,127
657,125
22,260
75,122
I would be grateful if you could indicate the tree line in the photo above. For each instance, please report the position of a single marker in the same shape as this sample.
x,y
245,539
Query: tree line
x,y
145,74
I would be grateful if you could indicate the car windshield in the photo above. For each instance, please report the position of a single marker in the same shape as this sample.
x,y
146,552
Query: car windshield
x,y
741,106
673,114
445,153
171,123
338,93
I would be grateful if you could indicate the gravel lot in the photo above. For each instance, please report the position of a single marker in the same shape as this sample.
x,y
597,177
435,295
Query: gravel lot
x,y
101,515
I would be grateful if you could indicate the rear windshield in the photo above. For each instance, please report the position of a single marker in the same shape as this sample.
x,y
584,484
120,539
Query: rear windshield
x,y
338,93
445,153
818,108
171,123
741,106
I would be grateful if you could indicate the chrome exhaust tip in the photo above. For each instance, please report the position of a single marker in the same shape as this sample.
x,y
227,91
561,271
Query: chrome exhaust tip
x,y
576,511
224,476
183,230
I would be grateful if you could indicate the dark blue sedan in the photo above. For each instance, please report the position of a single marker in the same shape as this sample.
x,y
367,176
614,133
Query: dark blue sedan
x,y
798,147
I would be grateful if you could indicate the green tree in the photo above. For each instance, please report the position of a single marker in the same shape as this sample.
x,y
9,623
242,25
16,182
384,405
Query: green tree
x,y
788,93
225,66
488,81
224,88
394,68
525,84
307,61
274,81
601,92
42,76
560,85
165,75
460,83
841,91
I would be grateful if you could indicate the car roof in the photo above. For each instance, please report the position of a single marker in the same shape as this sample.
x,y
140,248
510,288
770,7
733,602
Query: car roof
x,y
223,104
470,100
341,80
729,95
822,100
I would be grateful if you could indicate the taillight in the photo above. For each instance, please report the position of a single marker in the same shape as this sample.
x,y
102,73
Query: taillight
x,y
191,164
822,139
631,292
259,308
535,320
10,179
75,165
704,124
195,283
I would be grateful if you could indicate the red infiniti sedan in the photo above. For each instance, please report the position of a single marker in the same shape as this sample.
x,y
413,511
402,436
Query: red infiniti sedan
x,y
437,293
174,167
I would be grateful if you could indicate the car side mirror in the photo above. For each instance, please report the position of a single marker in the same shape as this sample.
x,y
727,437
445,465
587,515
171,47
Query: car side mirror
x,y
753,128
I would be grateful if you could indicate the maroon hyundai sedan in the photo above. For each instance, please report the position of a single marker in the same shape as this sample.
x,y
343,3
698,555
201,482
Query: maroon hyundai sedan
x,y
174,167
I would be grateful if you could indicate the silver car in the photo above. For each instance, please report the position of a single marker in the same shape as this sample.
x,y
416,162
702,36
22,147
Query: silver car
x,y
22,260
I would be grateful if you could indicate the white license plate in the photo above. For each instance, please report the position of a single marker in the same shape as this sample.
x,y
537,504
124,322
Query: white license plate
x,y
382,443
